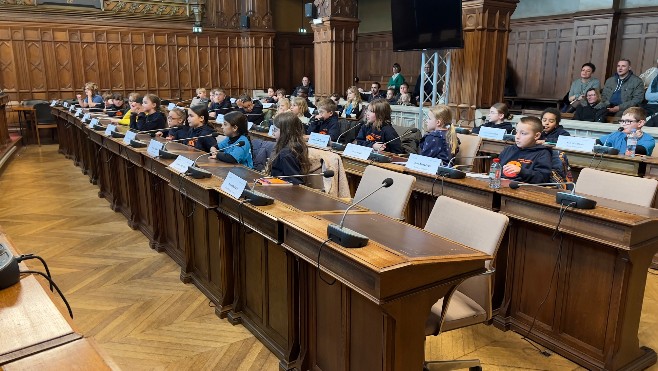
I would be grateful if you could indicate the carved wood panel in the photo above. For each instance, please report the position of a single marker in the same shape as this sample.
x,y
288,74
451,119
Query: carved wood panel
x,y
41,60
294,59
375,58
638,39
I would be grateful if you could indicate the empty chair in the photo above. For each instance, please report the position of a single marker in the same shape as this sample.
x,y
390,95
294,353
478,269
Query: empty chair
x,y
391,201
470,304
624,188
469,145
44,119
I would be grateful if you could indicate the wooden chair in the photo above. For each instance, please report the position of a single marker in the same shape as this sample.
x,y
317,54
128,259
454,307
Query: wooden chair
x,y
391,201
468,148
44,119
470,303
624,188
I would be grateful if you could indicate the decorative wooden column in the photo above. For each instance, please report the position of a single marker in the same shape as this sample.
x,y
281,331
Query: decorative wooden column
x,y
335,46
477,76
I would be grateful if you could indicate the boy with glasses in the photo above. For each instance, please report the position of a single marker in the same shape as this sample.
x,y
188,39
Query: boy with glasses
x,y
633,118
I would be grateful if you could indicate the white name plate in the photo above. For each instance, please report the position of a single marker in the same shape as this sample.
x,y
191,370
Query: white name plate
x,y
65,104
233,101
53,102
423,164
267,105
219,118
492,133
319,140
356,151
271,131
249,125
72,108
93,123
575,143
78,112
86,117
130,135
110,128
181,163
233,185
171,106
154,148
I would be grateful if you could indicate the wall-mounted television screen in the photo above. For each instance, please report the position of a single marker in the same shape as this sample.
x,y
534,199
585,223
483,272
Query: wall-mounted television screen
x,y
426,24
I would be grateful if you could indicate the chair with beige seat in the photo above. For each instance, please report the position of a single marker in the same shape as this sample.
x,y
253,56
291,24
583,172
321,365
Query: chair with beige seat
x,y
470,303
469,145
391,201
624,188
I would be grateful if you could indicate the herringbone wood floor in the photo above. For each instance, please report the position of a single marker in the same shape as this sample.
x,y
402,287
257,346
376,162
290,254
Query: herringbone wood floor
x,y
130,299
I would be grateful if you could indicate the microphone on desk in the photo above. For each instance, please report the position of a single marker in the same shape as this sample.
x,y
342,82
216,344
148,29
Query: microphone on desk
x,y
451,172
563,198
196,172
604,148
378,157
345,236
262,127
483,119
339,146
325,174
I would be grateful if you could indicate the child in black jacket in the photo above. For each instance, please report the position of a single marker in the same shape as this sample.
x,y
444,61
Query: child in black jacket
x,y
378,133
498,113
550,119
326,121
527,161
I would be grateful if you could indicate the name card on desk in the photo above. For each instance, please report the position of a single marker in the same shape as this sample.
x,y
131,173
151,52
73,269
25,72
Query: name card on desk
x,y
154,148
219,118
423,164
271,131
249,125
171,106
93,123
53,103
319,140
72,108
86,117
181,163
233,100
233,185
491,133
130,135
110,128
65,104
356,151
78,112
576,143
267,105
310,110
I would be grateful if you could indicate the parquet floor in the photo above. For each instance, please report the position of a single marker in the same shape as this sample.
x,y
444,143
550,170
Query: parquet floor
x,y
130,300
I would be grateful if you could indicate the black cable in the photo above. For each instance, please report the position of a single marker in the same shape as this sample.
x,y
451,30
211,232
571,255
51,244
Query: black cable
x,y
556,232
183,197
318,267
433,183
56,288
32,256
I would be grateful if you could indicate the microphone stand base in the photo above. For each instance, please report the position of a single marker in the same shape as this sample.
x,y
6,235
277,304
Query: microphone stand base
x,y
167,155
605,150
579,202
450,173
378,157
345,236
338,147
197,173
137,143
257,198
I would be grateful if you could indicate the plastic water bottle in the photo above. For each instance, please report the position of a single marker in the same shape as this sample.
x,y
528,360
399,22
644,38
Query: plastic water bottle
x,y
494,174
631,143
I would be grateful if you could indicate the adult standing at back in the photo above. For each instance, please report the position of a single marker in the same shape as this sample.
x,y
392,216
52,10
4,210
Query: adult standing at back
x,y
306,83
396,79
622,91
579,87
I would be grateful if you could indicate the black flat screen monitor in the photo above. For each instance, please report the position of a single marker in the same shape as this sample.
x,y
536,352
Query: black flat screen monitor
x,y
426,24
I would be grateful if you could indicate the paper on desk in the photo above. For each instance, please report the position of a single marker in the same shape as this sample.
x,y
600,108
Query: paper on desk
x,y
477,175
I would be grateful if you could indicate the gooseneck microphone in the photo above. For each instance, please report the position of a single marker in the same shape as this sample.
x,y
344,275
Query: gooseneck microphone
x,y
407,132
341,147
563,198
196,172
345,236
605,149
325,174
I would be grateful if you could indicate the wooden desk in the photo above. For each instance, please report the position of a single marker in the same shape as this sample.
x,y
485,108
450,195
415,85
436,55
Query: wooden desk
x,y
34,330
592,311
78,355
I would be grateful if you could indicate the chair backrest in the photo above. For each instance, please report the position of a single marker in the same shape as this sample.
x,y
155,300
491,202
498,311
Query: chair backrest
x,y
32,102
409,142
262,152
44,113
467,224
468,148
624,188
315,156
345,125
391,201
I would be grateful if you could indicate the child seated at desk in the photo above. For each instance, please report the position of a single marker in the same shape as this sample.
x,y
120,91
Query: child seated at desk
x,y
441,139
219,103
550,119
235,129
176,121
290,156
326,121
527,161
135,102
197,119
118,104
151,117
283,106
300,109
378,129
352,103
496,119
271,96
633,118
247,106
91,98
201,98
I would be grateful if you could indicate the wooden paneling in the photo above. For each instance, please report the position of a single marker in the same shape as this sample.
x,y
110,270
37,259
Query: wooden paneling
x,y
41,60
293,59
638,39
375,58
